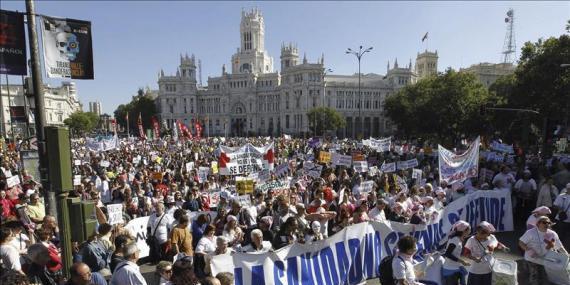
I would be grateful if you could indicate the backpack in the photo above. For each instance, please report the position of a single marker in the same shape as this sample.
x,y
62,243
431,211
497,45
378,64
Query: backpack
x,y
385,270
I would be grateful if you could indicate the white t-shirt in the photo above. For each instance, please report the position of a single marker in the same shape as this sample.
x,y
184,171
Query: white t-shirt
x,y
451,264
377,215
205,245
481,249
506,180
265,247
534,239
162,228
10,257
403,268
563,203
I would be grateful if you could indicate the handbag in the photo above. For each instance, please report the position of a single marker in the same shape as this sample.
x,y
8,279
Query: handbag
x,y
154,246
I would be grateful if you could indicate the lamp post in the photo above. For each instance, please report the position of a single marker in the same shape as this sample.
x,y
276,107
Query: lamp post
x,y
359,55
325,72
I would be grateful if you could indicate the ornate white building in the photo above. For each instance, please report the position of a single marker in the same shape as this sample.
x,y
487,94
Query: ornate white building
x,y
488,73
254,99
17,109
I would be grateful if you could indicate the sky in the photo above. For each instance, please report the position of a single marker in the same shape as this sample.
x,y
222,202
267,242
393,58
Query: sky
x,y
134,40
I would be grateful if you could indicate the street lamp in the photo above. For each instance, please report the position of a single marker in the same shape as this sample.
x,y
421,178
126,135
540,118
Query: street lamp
x,y
325,72
359,55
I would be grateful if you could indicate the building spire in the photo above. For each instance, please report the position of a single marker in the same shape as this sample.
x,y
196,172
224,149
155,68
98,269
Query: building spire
x,y
304,58
388,67
396,63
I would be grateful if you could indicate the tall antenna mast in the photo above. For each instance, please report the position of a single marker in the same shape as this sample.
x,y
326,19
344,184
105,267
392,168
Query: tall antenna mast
x,y
509,48
200,70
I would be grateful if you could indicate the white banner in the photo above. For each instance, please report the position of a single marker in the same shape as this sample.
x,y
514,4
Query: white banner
x,y
115,212
245,159
380,145
354,254
458,167
339,159
102,144
137,228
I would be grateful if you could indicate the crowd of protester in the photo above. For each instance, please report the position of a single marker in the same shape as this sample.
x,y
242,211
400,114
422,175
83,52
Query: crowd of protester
x,y
151,178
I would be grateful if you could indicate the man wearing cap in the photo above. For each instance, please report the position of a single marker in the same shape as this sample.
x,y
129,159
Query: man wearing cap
x,y
562,203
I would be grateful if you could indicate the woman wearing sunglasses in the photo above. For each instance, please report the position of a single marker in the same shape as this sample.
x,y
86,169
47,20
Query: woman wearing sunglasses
x,y
536,243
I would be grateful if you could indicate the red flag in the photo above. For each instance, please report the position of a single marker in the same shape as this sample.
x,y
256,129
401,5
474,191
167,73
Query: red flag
x,y
184,130
198,129
155,127
141,129
114,125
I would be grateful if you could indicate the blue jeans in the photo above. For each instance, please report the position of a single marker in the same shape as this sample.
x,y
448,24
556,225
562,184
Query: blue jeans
x,y
454,277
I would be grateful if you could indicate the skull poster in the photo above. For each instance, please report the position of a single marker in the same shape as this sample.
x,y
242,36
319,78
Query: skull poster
x,y
68,52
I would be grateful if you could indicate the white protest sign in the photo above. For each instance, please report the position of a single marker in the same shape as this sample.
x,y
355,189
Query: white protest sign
x,y
402,165
505,148
372,171
137,229
137,159
8,173
366,186
388,167
115,212
189,166
105,163
339,159
244,200
77,162
76,180
203,174
13,181
360,166
281,169
312,169
278,185
417,175
214,198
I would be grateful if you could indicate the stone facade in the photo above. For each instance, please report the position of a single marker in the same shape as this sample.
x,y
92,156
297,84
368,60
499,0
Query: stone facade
x,y
60,102
488,73
254,99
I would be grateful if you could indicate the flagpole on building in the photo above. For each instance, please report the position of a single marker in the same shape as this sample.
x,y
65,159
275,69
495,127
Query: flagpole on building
x,y
40,115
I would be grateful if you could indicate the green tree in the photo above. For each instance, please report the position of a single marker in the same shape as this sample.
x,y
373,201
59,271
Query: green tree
x,y
82,122
323,119
445,107
539,83
143,104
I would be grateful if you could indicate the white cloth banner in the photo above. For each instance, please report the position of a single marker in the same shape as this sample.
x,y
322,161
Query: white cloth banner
x,y
245,159
312,169
380,145
102,144
354,254
458,167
